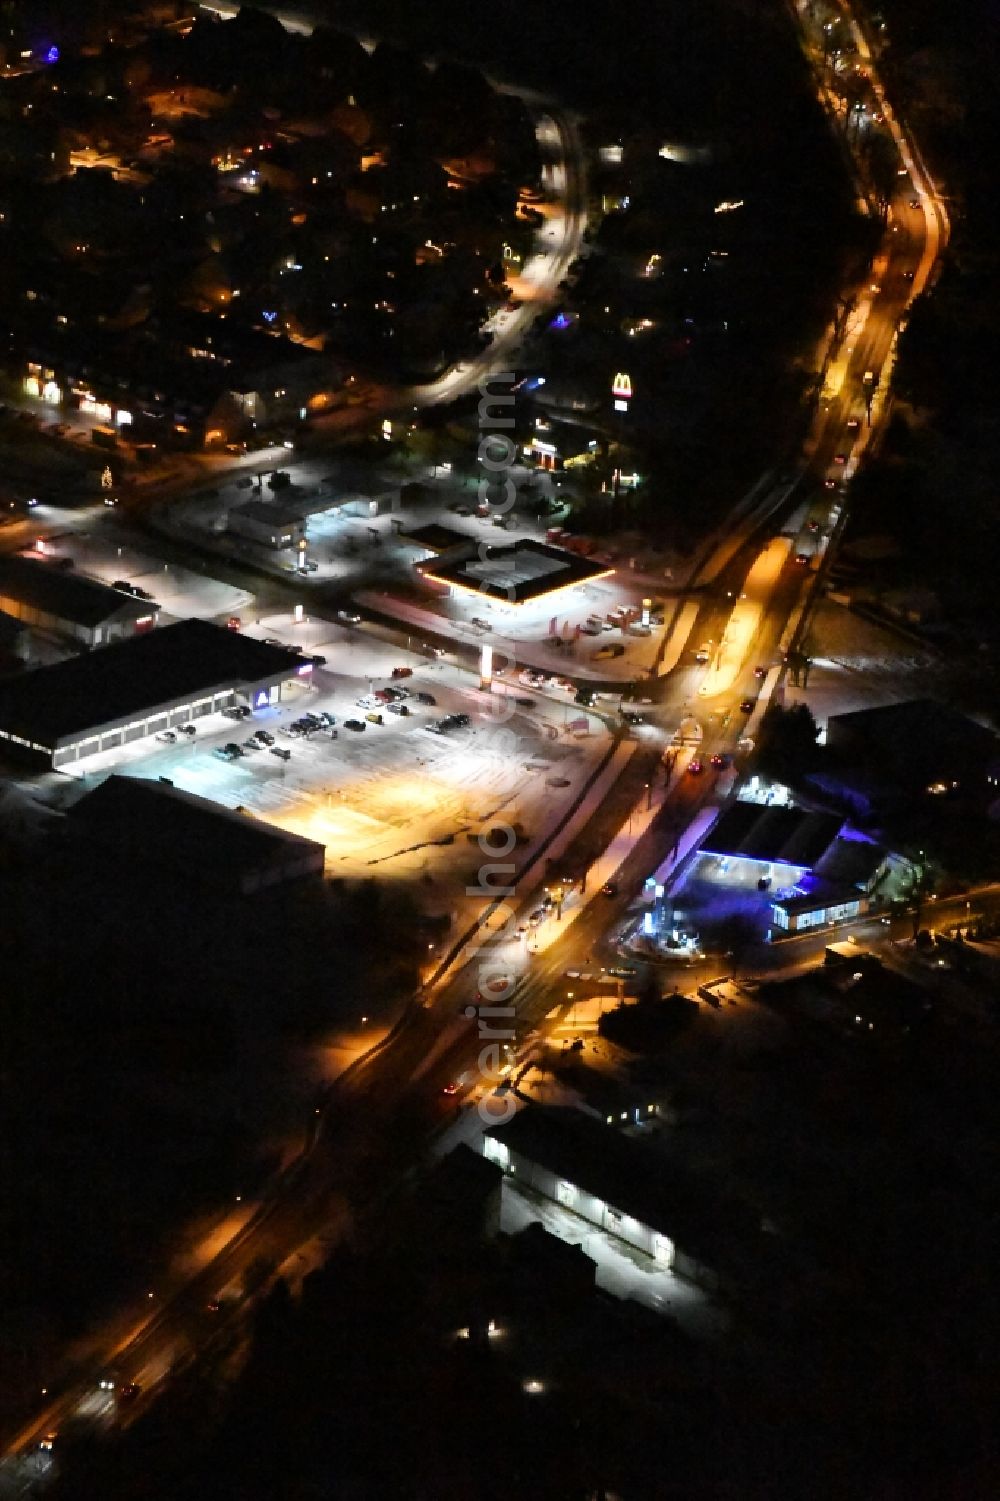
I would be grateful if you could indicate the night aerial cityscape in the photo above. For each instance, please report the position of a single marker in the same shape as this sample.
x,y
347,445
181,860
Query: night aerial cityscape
x,y
499,751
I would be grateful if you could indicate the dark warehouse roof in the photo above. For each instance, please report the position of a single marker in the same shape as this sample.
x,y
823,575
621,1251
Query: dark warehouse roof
x,y
785,836
67,595
133,677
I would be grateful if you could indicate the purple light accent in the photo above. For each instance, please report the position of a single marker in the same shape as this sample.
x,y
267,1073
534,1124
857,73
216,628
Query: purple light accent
x,y
560,321
52,56
304,670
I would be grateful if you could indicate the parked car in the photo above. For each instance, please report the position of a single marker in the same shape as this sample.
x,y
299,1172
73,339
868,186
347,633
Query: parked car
x,y
167,737
282,752
317,659
264,737
425,698
398,709
325,718
374,718
188,730
402,672
354,724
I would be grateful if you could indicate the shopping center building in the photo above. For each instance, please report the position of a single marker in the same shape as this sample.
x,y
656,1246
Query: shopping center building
x,y
120,694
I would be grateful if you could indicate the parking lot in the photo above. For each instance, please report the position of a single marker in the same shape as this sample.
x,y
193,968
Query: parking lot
x,y
109,554
394,800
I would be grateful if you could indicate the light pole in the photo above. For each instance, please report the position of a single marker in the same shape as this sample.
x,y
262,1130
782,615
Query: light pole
x,y
557,893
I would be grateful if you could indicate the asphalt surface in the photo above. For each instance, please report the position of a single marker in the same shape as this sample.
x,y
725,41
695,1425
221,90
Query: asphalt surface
x,y
381,1114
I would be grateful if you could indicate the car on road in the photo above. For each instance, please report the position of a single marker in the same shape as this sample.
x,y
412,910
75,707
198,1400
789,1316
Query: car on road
x,y
703,653
631,717
189,730
719,760
525,703
354,724
853,423
840,458
252,745
452,1088
234,623
747,705
609,888
760,672
348,617
462,720
803,559
623,972
695,767
326,718
425,698
402,672
281,751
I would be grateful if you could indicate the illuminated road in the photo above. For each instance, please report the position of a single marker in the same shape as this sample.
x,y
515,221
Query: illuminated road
x,y
381,1113
741,630
559,242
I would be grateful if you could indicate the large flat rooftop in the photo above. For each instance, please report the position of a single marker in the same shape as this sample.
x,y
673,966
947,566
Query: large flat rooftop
x,y
166,666
141,822
514,574
70,596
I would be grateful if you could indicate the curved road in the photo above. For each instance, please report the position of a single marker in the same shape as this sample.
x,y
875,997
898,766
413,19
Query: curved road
x,y
380,1113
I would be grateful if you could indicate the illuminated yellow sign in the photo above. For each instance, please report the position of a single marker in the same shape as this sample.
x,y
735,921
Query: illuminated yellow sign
x,y
621,386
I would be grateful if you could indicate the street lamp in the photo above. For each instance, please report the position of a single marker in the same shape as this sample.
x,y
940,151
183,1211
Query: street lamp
x,y
557,893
